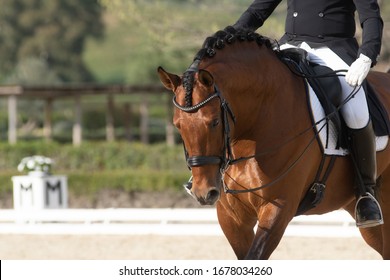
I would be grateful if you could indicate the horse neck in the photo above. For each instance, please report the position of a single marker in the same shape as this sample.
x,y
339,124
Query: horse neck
x,y
270,107
264,95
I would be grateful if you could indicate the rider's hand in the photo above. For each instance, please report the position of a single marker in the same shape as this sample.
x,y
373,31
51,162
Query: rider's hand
x,y
358,71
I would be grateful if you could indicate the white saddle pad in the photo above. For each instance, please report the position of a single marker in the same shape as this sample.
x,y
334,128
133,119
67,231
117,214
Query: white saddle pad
x,y
328,134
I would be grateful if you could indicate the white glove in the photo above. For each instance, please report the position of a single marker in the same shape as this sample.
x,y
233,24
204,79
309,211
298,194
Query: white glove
x,y
358,71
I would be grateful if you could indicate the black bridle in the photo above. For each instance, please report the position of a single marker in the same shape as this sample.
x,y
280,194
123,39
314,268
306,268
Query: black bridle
x,y
227,156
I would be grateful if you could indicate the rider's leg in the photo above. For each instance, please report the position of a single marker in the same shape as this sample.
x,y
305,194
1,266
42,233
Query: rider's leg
x,y
368,212
356,115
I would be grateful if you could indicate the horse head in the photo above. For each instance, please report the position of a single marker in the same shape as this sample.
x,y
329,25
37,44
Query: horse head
x,y
202,114
201,127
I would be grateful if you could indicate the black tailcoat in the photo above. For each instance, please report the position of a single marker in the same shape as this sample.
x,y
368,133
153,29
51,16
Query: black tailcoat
x,y
324,22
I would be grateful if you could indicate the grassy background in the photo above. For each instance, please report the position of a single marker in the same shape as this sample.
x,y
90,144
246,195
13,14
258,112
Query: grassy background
x,y
98,165
166,33
129,53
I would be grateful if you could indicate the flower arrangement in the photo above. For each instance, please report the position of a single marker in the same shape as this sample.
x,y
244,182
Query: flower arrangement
x,y
36,164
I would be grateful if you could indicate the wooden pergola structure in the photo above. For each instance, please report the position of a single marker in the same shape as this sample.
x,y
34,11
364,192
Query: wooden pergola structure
x,y
50,93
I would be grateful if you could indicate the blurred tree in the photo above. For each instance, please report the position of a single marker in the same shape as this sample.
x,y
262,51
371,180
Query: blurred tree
x,y
50,31
32,71
170,31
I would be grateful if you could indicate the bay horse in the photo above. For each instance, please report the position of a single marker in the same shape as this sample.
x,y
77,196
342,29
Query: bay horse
x,y
243,118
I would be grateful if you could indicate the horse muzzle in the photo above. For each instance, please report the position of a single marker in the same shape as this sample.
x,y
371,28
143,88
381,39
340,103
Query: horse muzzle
x,y
210,197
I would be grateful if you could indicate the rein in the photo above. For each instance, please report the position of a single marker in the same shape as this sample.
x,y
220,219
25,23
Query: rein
x,y
227,158
284,173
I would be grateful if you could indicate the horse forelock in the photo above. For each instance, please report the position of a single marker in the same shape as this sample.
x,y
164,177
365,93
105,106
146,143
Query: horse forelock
x,y
210,47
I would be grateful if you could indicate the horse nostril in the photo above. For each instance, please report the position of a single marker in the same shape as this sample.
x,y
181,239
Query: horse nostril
x,y
213,195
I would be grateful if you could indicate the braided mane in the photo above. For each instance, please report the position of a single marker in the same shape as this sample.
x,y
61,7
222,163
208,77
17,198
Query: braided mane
x,y
209,48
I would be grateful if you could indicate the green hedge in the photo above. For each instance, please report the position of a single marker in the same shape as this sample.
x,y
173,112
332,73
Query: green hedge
x,y
132,180
97,165
96,156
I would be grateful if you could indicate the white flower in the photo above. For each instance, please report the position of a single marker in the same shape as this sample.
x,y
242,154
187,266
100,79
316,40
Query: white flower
x,y
35,163
30,164
20,167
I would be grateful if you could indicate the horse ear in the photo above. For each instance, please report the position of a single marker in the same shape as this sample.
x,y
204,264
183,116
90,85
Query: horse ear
x,y
205,78
170,81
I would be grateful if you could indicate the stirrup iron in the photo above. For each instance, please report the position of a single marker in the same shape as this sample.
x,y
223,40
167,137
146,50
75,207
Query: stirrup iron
x,y
368,223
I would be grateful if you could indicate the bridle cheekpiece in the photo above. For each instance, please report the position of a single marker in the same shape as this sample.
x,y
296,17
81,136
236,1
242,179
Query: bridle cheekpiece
x,y
224,160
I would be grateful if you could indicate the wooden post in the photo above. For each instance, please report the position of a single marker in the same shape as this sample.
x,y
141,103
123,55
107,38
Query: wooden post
x,y
12,119
110,130
127,121
77,129
144,126
47,125
169,128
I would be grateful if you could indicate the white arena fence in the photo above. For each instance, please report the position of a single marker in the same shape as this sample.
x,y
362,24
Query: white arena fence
x,y
156,221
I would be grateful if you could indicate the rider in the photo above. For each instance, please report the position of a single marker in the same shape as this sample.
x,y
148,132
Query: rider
x,y
326,30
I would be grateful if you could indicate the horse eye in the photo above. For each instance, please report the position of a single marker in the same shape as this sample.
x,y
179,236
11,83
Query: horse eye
x,y
215,123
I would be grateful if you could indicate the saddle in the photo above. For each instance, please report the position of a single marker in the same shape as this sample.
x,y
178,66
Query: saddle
x,y
327,88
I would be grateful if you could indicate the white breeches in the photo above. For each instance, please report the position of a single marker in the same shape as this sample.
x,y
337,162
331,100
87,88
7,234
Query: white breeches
x,y
355,111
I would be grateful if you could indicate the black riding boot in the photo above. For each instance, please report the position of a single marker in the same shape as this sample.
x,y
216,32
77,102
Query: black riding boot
x,y
368,212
